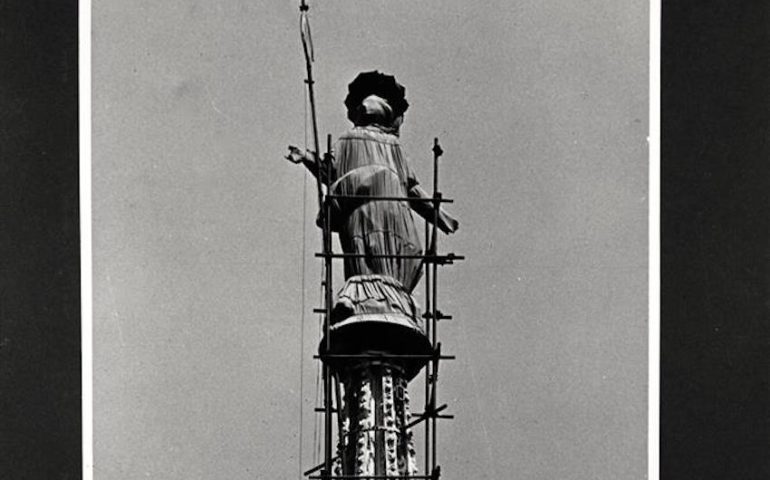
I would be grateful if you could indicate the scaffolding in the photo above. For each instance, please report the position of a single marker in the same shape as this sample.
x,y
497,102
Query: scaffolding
x,y
431,260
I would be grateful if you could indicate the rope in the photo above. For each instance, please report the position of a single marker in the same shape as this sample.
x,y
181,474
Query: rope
x,y
307,47
302,311
303,274
319,373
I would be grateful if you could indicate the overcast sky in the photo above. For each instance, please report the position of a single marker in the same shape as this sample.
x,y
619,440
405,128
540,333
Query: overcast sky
x,y
541,107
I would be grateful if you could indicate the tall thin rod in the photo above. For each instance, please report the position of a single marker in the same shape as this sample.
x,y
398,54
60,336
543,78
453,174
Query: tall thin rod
x,y
434,274
327,245
307,48
427,332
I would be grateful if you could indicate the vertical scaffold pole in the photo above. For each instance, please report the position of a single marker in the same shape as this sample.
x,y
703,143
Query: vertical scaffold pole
x,y
327,247
434,312
428,329
431,273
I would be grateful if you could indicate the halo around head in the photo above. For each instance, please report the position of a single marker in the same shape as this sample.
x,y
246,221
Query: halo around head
x,y
381,85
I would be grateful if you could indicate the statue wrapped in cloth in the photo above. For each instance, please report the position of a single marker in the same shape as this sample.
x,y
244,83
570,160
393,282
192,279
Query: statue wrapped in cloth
x,y
375,313
368,161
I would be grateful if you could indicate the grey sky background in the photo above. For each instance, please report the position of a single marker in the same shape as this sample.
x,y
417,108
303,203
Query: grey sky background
x,y
541,107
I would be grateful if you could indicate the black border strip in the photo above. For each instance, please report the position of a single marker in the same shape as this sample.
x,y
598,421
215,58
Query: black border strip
x,y
40,384
715,247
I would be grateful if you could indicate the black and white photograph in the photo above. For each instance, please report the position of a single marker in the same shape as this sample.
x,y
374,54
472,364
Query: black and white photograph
x,y
205,235
327,239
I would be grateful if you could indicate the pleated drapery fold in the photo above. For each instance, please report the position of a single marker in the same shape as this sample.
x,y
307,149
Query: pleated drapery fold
x,y
369,162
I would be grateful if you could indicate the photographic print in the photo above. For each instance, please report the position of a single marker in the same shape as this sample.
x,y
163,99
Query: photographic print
x,y
207,286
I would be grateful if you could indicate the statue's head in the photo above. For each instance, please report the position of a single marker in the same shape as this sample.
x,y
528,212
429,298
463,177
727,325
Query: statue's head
x,y
376,99
373,110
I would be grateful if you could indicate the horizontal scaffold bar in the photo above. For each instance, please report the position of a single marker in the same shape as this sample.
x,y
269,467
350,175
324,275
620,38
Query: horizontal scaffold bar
x,y
391,199
429,315
384,355
438,259
435,475
426,315
372,477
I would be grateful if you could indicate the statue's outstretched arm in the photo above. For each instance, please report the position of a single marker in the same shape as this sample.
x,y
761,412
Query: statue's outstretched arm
x,y
307,158
424,208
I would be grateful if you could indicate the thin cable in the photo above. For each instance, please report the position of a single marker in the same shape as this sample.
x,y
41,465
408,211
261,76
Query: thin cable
x,y
302,311
317,418
302,330
319,370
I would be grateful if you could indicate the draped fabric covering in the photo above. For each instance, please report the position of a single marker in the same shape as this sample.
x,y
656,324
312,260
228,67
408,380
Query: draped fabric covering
x,y
370,162
374,294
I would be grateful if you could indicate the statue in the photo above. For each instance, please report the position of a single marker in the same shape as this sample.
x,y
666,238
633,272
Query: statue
x,y
368,161
376,340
